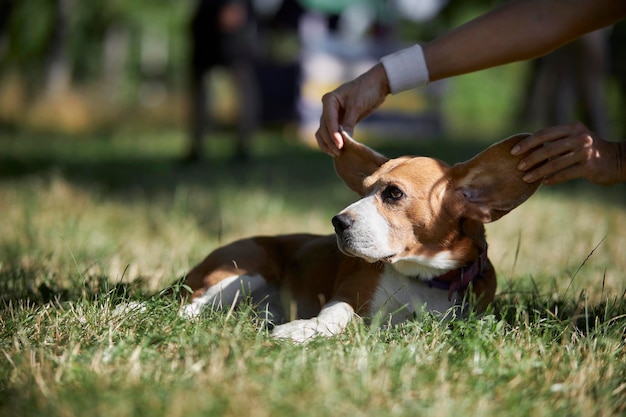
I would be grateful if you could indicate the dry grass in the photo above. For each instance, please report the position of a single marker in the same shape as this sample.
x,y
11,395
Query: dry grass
x,y
78,219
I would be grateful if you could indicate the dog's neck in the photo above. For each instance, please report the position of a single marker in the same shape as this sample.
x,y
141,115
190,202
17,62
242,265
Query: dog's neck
x,y
458,280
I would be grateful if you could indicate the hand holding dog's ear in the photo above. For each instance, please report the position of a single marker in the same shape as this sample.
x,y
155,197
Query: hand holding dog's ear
x,y
489,185
347,105
561,153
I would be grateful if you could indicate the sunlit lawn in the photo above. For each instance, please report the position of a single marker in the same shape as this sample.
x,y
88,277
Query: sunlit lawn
x,y
79,216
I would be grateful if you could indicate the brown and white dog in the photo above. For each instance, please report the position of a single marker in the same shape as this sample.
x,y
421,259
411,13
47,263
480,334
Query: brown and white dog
x,y
415,241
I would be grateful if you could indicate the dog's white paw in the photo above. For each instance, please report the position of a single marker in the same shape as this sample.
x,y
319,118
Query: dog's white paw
x,y
190,311
331,320
300,331
127,308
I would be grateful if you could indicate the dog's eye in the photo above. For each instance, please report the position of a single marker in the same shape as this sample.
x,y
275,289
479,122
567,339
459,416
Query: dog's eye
x,y
392,193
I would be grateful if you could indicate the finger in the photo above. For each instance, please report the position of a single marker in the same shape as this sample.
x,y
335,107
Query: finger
x,y
325,143
338,141
567,174
346,136
343,131
324,148
542,154
330,119
528,143
349,120
554,166
539,138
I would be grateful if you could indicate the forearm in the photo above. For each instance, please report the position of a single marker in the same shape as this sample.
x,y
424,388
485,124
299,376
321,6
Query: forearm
x,y
519,30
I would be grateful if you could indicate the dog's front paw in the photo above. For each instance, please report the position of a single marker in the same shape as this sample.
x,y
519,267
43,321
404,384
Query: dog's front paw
x,y
300,331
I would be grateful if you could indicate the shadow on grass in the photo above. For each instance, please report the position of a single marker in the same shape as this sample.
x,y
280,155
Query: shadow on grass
x,y
581,314
150,165
16,286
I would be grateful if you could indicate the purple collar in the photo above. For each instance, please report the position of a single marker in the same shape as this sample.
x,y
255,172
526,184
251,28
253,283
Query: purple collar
x,y
459,279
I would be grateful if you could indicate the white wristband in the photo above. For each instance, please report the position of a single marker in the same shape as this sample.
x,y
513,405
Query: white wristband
x,y
406,69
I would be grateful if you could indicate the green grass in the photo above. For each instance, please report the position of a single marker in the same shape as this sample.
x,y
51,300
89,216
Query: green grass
x,y
87,223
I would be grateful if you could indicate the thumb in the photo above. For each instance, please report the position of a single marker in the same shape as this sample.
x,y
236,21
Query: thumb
x,y
346,126
349,121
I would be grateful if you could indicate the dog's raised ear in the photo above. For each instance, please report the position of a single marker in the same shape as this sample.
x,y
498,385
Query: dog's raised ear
x,y
489,185
356,162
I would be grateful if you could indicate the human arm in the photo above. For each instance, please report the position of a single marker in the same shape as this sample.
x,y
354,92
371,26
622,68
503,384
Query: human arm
x,y
571,151
518,30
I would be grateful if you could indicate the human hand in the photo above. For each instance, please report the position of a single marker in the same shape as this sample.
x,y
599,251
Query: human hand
x,y
566,152
347,105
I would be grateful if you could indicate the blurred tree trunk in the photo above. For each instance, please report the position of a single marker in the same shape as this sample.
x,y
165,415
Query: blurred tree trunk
x,y
58,67
115,57
568,85
6,8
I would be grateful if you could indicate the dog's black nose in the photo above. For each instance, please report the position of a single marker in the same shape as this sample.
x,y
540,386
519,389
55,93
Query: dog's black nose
x,y
342,222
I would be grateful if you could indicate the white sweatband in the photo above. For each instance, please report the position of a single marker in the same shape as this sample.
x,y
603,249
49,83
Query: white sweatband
x,y
406,69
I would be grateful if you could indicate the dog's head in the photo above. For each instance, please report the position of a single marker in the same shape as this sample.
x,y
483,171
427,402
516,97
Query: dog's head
x,y
420,214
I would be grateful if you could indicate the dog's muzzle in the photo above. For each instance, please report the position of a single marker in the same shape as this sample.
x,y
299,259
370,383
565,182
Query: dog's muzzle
x,y
354,245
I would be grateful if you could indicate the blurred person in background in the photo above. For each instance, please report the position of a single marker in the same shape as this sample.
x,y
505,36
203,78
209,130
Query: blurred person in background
x,y
518,30
569,84
223,34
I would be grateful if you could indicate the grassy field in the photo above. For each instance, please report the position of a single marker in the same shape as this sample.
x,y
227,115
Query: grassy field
x,y
87,223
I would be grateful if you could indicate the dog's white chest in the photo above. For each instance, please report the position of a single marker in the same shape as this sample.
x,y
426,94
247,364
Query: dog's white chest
x,y
401,297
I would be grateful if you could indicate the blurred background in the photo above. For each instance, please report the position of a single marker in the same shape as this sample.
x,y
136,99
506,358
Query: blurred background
x,y
94,67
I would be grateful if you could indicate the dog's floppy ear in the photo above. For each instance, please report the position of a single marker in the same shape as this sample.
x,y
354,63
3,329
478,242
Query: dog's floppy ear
x,y
489,185
356,162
